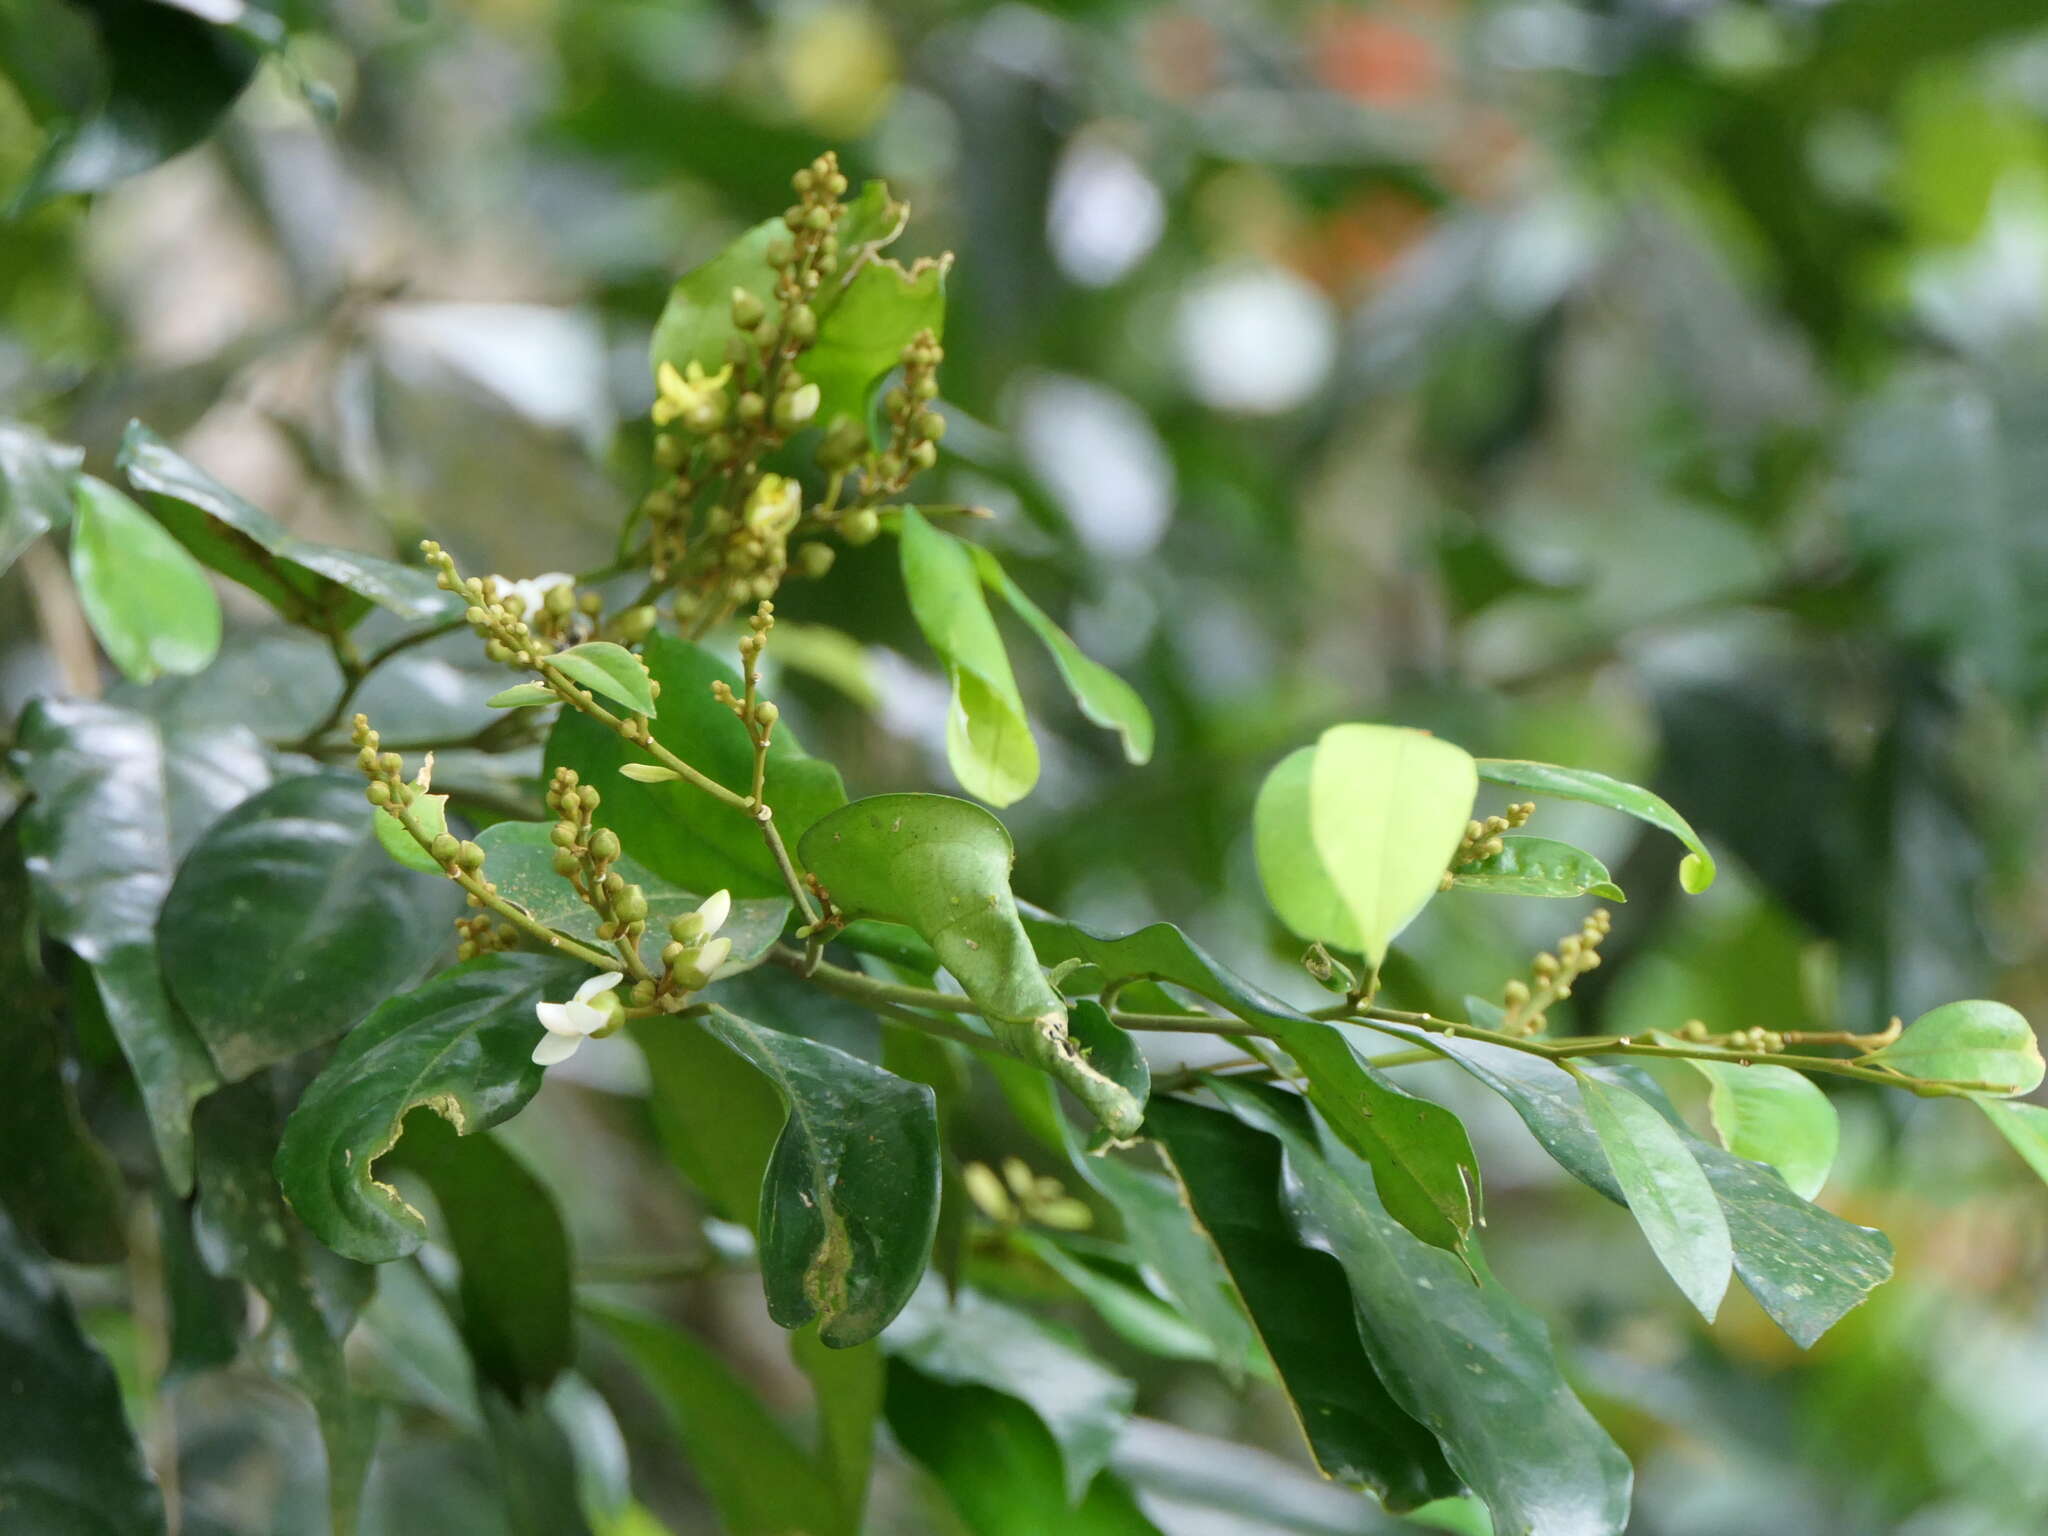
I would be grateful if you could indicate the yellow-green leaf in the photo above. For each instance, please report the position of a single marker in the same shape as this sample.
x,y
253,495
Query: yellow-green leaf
x,y
148,601
1984,1044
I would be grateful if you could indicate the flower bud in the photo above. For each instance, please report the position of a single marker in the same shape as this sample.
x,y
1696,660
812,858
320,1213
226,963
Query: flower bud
x,y
379,792
630,906
643,993
470,857
635,624
699,966
747,310
445,848
566,863
604,845
814,559
690,928
766,712
671,952
563,834
669,452
775,505
797,407
860,526
802,323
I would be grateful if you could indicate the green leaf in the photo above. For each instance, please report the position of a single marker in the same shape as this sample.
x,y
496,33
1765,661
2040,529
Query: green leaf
x,y
430,814
536,1464
1302,1308
287,924
1110,1050
942,867
116,799
462,1045
72,1464
864,328
973,1341
757,1479
988,738
1538,866
1695,873
256,1239
56,1181
317,585
170,74
1666,1189
996,1463
1354,842
147,600
1776,1116
35,487
1464,1359
723,1155
1987,1045
848,1385
1421,1157
515,1295
520,860
607,669
850,1198
696,322
1104,698
677,830
1805,1266
524,696
1132,1312
2025,1127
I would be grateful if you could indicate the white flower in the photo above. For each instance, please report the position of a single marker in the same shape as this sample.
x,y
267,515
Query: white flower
x,y
533,592
570,1024
716,908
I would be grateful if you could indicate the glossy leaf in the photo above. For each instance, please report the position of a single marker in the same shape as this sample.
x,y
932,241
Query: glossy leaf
x,y
1695,873
1421,1157
863,330
251,1235
524,696
757,1479
515,1296
1354,838
1776,1116
1985,1044
974,1341
287,924
941,866
997,1465
848,1385
1666,1189
430,814
72,1464
318,585
1302,1307
850,1197
1538,866
116,799
35,487
1805,1266
147,600
676,829
1110,1049
718,1118
1104,698
520,861
1464,1359
988,738
2025,1128
461,1045
608,670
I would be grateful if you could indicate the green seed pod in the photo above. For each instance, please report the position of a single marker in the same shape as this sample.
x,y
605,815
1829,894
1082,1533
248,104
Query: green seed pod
x,y
604,845
445,848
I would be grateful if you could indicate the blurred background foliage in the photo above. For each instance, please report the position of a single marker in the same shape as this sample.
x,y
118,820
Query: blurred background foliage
x,y
1654,385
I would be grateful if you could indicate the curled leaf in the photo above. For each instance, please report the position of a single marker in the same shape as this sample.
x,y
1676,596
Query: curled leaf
x,y
1695,871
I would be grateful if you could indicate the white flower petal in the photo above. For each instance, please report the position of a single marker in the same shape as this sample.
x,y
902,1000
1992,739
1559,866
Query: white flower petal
x,y
713,955
716,909
559,1020
597,984
554,1048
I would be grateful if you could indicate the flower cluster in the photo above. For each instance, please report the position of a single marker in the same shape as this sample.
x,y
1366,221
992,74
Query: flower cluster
x,y
1483,839
1554,974
1021,1195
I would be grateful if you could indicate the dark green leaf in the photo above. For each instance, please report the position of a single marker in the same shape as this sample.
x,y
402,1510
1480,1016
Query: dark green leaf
x,y
520,861
287,924
1110,1050
206,1310
1464,1359
35,487
536,1465
1695,873
56,1181
863,330
850,1198
1137,1316
997,1464
1665,1187
1421,1157
461,1045
318,585
116,800
973,1341
170,75
515,1294
607,669
988,738
1105,698
1538,866
72,1464
717,1117
1302,1308
1987,1045
848,1384
760,1483
252,1236
942,867
148,601
677,830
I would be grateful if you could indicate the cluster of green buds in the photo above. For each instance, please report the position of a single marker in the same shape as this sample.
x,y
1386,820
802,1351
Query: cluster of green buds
x,y
1483,839
584,856
408,803
915,429
757,714
480,935
1527,1002
1761,1042
518,621
1020,1195
695,948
